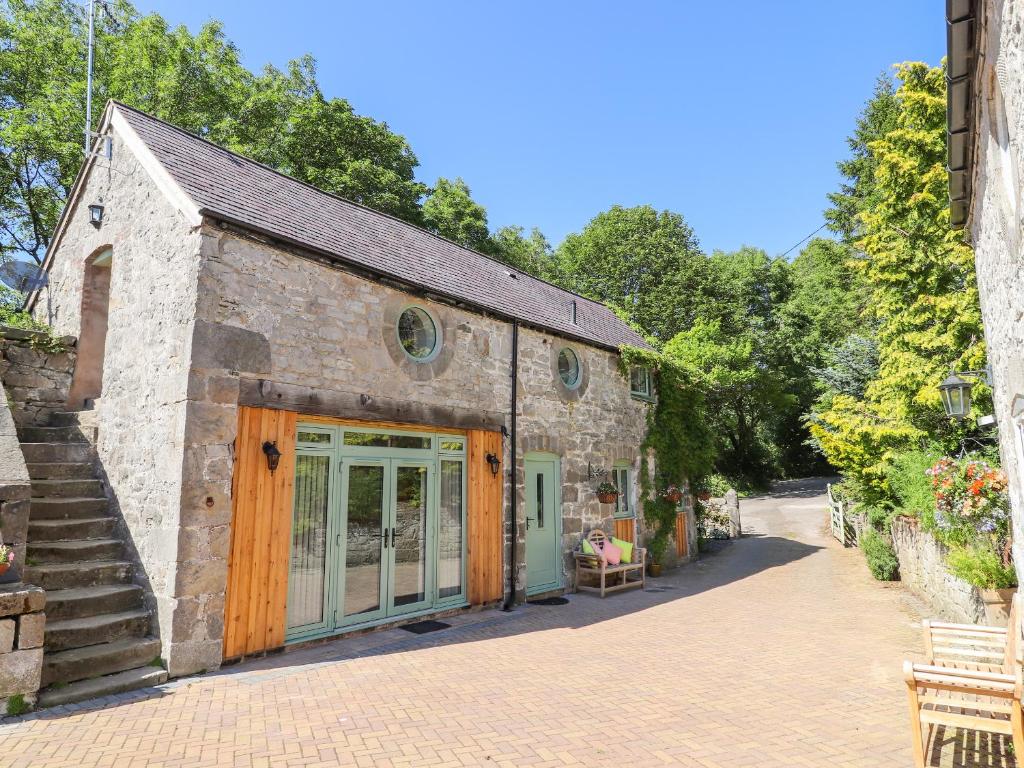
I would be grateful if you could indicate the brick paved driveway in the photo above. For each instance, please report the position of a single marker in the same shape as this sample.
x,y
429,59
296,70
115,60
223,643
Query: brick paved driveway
x,y
778,650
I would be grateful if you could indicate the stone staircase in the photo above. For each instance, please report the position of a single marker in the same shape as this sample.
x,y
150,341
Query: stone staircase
x,y
97,639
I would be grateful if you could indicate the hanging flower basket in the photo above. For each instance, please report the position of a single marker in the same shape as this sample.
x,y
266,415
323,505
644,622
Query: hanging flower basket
x,y
607,493
672,494
704,496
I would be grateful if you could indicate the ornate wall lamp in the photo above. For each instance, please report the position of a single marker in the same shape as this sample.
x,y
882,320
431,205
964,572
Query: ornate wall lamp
x,y
494,463
273,455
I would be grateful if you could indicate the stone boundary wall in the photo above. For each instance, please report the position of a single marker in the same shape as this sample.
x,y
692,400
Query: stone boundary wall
x,y
15,490
923,571
36,379
22,622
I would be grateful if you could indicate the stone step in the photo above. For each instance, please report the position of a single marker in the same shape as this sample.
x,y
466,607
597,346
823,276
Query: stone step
x,y
68,575
50,452
51,435
67,509
102,659
79,602
54,470
86,550
140,677
71,530
69,418
91,630
62,488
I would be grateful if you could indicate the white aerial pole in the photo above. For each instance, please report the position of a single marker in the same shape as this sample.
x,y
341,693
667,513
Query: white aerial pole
x,y
88,83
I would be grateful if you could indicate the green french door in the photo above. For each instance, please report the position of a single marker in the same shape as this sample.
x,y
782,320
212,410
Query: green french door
x,y
374,537
387,537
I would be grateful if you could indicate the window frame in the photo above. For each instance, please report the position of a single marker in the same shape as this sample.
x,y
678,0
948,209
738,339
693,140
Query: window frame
x,y
579,369
438,334
640,394
623,511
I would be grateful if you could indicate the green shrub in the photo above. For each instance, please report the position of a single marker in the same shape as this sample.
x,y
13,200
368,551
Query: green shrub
x,y
879,553
981,567
911,488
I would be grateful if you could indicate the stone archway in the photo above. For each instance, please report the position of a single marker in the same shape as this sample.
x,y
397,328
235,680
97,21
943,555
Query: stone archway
x,y
87,383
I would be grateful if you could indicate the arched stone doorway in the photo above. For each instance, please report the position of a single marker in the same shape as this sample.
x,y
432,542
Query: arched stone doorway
x,y
87,383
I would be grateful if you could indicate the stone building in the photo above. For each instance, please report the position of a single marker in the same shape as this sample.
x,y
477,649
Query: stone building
x,y
986,161
305,412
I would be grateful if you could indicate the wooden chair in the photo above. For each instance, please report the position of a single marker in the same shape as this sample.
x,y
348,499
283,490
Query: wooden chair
x,y
971,678
595,565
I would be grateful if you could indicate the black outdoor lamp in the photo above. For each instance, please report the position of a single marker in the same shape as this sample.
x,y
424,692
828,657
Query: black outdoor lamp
x,y
96,214
494,461
273,455
956,391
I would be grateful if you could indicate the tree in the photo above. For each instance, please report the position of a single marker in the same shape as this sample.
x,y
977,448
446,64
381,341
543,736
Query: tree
x,y
742,395
194,81
646,264
922,296
532,254
859,191
451,212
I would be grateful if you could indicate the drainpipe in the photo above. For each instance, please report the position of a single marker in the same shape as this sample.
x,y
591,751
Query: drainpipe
x,y
513,496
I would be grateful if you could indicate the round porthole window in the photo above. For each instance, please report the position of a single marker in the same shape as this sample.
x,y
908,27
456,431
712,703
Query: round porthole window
x,y
417,333
569,368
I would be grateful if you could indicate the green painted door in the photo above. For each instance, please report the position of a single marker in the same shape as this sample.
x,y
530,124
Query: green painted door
x,y
543,525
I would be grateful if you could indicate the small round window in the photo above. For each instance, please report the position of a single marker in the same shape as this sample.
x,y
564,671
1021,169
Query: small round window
x,y
417,334
569,368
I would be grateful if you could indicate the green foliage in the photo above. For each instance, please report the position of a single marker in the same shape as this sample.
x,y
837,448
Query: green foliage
x,y
880,556
910,488
16,705
850,365
922,298
451,212
859,191
279,117
532,254
677,436
646,264
981,567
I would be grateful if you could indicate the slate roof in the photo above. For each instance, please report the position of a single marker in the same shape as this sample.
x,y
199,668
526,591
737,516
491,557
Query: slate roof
x,y
245,193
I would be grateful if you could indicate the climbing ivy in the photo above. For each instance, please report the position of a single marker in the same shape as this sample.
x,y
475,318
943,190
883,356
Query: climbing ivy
x,y
677,436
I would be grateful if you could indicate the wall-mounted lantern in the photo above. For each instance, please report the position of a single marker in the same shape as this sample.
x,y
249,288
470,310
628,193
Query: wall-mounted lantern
x,y
96,214
494,462
273,455
956,396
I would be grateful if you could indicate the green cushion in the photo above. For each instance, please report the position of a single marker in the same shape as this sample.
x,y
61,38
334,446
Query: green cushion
x,y
627,549
588,548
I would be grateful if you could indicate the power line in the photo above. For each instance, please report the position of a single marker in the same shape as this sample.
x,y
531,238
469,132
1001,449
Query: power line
x,y
804,240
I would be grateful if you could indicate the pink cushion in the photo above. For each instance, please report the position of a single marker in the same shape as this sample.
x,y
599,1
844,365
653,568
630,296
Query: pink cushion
x,y
612,554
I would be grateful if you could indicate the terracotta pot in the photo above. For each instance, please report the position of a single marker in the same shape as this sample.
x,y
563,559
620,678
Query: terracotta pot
x,y
674,496
997,605
704,496
607,498
4,567
654,569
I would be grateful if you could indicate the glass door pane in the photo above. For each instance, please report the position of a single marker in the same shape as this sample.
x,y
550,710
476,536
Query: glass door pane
x,y
308,562
449,531
365,529
409,536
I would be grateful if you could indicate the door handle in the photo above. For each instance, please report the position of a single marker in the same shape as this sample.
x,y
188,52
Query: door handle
x,y
394,532
528,519
385,538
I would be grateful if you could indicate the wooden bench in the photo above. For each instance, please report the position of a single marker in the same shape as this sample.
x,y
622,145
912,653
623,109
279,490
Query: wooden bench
x,y
595,565
971,678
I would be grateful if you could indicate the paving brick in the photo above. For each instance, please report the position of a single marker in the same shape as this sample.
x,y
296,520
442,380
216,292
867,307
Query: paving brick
x,y
778,650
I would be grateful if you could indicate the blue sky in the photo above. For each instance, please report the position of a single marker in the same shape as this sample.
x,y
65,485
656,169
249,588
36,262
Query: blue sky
x,y
732,114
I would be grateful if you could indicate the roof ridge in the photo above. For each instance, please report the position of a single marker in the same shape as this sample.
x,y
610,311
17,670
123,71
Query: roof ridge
x,y
345,200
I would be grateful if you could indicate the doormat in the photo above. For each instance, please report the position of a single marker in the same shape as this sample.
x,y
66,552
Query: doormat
x,y
654,589
422,627
550,601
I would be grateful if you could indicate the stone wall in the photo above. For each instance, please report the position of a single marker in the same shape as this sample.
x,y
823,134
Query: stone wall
x,y
997,230
140,415
35,375
21,645
923,571
15,489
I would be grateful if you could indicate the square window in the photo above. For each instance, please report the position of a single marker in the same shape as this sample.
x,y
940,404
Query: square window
x,y
640,382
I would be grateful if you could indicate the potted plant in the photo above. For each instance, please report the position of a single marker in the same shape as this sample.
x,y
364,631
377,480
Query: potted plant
x,y
672,494
607,493
972,515
6,558
656,552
